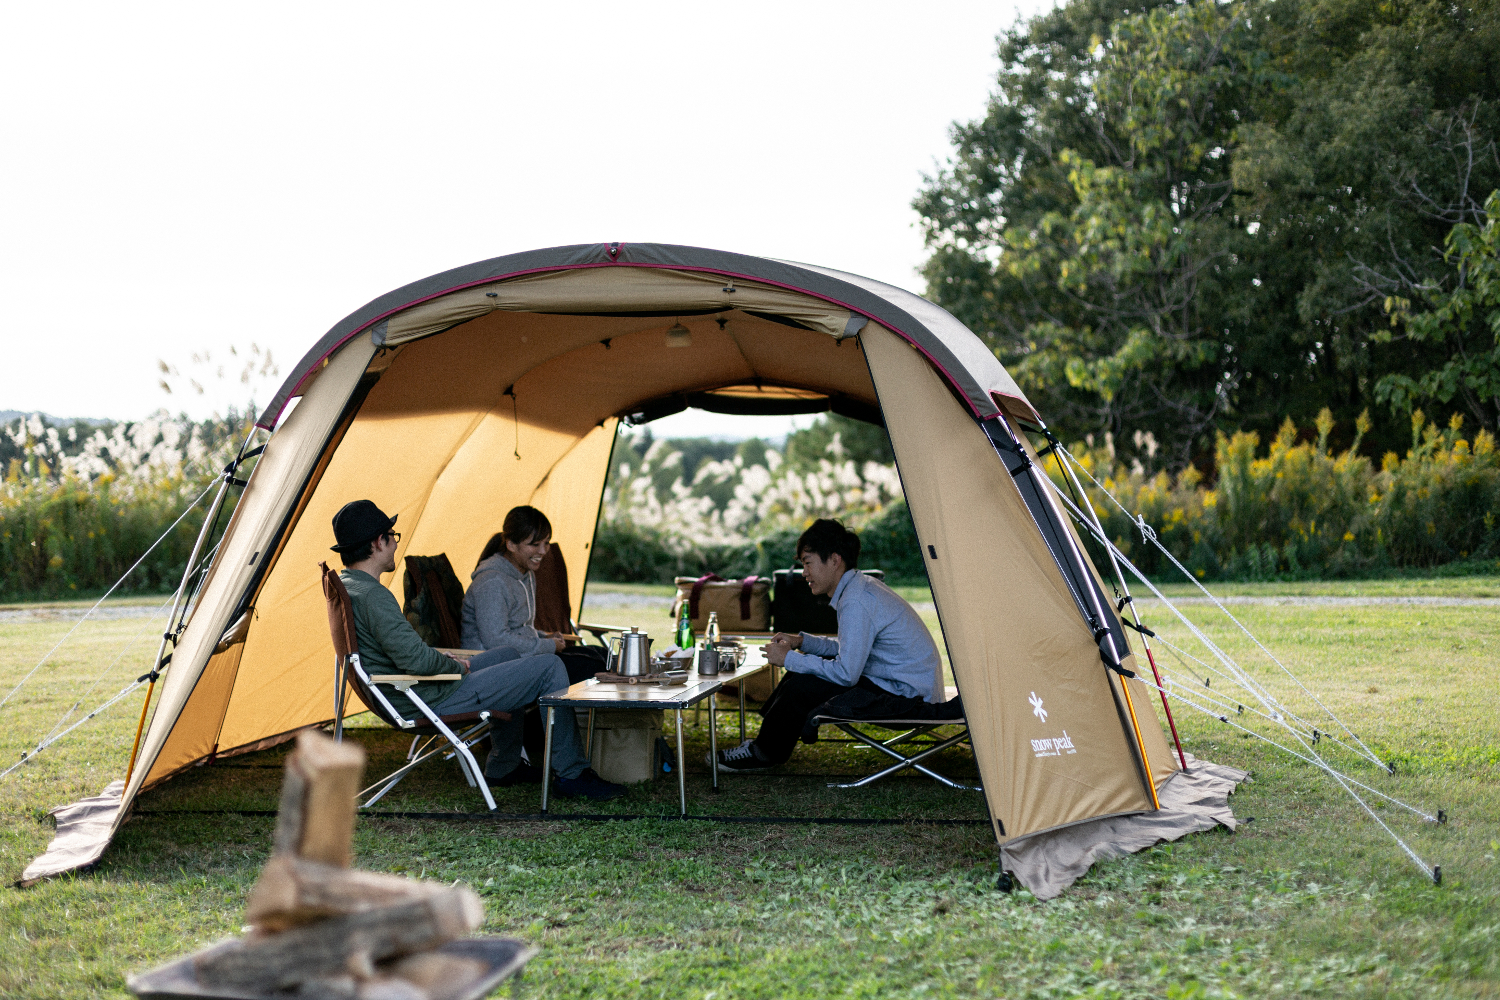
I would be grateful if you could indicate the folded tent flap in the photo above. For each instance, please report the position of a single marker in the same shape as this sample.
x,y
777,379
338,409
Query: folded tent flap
x,y
615,291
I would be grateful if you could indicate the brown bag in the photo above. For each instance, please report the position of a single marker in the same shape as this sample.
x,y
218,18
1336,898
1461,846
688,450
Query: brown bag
x,y
742,605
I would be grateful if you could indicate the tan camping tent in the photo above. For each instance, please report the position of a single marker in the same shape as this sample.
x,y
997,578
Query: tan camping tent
x,y
453,399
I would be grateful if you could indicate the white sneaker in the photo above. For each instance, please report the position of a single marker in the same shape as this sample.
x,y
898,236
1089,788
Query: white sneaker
x,y
739,760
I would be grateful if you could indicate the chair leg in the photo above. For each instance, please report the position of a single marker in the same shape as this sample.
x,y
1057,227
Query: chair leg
x,y
468,738
457,746
338,699
467,759
903,762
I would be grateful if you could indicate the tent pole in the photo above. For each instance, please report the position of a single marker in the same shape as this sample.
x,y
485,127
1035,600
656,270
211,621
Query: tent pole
x,y
1114,564
139,728
226,479
1086,581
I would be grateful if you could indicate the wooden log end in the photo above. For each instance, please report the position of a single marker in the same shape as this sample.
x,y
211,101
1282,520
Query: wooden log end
x,y
292,891
328,988
391,988
437,973
315,818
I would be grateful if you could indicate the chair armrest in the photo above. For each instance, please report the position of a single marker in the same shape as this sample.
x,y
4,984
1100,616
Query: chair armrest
x,y
462,654
404,682
597,630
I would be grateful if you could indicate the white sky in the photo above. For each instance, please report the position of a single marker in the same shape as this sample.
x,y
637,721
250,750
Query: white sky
x,y
182,177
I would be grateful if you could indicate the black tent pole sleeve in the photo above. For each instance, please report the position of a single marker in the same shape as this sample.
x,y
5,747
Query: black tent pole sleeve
x,y
1094,613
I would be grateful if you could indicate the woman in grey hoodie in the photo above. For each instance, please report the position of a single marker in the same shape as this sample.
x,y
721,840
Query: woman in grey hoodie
x,y
500,606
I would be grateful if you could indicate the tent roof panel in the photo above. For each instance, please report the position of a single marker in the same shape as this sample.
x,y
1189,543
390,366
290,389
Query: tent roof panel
x,y
964,361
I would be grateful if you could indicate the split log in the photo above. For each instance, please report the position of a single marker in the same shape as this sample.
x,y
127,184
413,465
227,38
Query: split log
x,y
437,974
335,988
292,891
315,819
391,989
349,945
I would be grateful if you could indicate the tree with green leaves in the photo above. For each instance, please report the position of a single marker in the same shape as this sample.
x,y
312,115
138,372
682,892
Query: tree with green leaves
x,y
1463,321
1184,218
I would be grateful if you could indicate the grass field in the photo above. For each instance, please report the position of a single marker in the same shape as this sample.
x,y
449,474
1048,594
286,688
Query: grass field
x,y
1310,899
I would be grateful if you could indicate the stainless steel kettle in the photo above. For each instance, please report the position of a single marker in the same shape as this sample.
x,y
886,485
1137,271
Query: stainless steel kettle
x,y
630,654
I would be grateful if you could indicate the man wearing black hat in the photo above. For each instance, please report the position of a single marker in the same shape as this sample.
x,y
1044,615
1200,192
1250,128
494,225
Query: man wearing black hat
x,y
498,680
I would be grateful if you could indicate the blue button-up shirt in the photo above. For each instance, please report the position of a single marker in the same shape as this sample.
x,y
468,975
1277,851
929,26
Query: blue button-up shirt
x,y
880,637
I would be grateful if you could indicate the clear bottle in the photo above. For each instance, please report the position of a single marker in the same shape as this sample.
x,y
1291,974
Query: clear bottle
x,y
711,632
685,637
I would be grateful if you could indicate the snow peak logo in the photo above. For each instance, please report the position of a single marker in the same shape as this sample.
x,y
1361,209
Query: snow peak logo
x,y
1056,746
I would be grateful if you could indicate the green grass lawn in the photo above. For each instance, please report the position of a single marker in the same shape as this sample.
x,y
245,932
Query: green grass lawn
x,y
1310,899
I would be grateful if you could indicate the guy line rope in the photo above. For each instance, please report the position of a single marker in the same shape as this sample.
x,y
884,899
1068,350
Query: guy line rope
x,y
1277,713
195,566
111,590
1150,535
57,733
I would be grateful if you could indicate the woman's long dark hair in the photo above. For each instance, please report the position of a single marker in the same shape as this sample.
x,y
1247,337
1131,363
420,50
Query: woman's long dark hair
x,y
523,524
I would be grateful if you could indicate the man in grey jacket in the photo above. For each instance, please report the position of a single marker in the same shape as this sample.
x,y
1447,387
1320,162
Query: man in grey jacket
x,y
499,680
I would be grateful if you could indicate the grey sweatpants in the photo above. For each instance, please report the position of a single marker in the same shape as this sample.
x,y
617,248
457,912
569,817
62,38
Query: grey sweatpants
x,y
501,680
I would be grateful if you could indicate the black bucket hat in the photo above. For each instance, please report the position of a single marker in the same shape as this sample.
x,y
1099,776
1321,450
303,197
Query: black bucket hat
x,y
357,523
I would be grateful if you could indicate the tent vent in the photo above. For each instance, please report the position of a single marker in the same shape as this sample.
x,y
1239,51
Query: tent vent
x,y
932,552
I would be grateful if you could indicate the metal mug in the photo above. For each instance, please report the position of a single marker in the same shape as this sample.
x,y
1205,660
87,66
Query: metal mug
x,y
708,660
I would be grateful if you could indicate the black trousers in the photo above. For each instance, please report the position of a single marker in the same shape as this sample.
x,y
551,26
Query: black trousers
x,y
786,711
582,662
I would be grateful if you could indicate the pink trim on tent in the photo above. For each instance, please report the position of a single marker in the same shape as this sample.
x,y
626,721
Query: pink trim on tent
x,y
578,267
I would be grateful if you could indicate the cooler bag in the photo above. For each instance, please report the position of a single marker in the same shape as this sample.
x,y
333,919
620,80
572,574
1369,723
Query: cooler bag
x,y
742,605
625,744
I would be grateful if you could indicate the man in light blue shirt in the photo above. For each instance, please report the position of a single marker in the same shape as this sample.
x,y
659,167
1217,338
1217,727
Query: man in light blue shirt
x,y
883,664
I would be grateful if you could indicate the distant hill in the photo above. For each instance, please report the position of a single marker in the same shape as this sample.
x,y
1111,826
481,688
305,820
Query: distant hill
x,y
6,415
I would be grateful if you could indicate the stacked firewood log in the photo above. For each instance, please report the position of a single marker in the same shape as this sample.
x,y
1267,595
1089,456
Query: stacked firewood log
x,y
321,928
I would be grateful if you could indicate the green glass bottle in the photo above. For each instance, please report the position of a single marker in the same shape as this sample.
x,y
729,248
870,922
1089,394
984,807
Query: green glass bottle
x,y
685,637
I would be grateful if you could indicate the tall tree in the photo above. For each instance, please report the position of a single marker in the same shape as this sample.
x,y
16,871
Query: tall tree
x,y
1185,217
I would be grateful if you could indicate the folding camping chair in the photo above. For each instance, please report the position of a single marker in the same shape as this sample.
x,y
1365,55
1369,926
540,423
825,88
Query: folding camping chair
x,y
429,738
909,748
554,610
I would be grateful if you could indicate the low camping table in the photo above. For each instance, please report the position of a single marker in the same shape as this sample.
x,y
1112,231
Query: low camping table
x,y
591,694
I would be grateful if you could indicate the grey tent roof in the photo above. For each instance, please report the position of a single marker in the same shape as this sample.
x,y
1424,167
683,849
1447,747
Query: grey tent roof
x,y
949,345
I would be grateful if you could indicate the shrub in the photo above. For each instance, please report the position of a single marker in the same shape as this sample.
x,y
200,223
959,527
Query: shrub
x,y
1300,511
76,514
